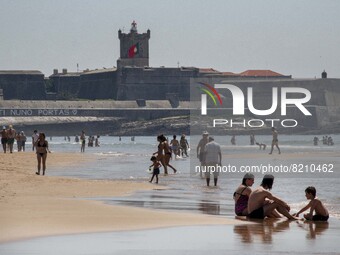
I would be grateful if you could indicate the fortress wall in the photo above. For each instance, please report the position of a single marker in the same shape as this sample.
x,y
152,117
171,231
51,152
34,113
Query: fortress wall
x,y
142,62
332,97
164,83
101,85
66,86
93,85
155,91
307,122
332,93
22,85
155,83
322,116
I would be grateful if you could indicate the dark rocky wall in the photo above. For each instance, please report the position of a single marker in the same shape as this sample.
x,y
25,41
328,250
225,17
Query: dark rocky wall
x,y
154,83
24,86
98,86
67,87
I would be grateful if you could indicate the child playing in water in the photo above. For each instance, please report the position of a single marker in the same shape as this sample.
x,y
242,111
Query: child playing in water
x,y
321,213
156,165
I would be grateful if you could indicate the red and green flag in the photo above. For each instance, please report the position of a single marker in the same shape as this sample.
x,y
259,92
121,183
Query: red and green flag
x,y
133,50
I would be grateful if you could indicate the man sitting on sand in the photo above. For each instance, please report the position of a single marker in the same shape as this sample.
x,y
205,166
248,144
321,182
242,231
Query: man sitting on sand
x,y
260,204
321,213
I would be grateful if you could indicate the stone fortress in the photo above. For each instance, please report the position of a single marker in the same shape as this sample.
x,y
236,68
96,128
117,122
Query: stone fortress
x,y
152,92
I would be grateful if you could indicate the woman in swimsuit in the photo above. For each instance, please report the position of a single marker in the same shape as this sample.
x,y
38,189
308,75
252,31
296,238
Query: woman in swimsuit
x,y
241,195
160,154
167,153
41,149
164,153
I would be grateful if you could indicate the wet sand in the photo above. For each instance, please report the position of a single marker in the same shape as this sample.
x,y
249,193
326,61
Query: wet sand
x,y
35,206
265,237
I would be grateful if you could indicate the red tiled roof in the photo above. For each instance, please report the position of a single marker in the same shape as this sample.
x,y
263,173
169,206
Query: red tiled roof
x,y
260,73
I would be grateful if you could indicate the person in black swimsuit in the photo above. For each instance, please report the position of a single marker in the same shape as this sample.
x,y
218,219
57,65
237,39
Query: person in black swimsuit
x,y
160,154
167,153
41,150
164,153
4,138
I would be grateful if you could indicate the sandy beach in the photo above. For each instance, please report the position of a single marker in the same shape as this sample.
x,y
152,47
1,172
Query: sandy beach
x,y
81,207
35,206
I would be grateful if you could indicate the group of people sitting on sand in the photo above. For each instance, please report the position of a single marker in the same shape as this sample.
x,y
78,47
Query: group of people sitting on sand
x,y
260,203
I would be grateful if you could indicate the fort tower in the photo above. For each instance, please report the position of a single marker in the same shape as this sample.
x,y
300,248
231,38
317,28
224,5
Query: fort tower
x,y
134,48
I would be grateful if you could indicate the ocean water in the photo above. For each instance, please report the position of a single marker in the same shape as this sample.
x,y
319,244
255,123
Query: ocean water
x,y
129,160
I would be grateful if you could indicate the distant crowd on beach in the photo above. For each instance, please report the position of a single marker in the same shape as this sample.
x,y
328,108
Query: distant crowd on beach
x,y
93,141
262,146
9,136
255,204
326,140
164,153
258,203
208,152
39,144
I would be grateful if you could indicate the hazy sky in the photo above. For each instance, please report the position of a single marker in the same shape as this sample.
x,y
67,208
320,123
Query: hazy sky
x,y
293,37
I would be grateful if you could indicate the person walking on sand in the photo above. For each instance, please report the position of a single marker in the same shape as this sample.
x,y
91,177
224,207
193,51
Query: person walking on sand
x,y
252,139
96,142
4,138
184,145
11,135
41,150
174,144
164,153
200,150
167,153
18,139
83,141
160,153
213,158
315,204
35,137
233,140
275,141
156,165
262,203
242,193
23,140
